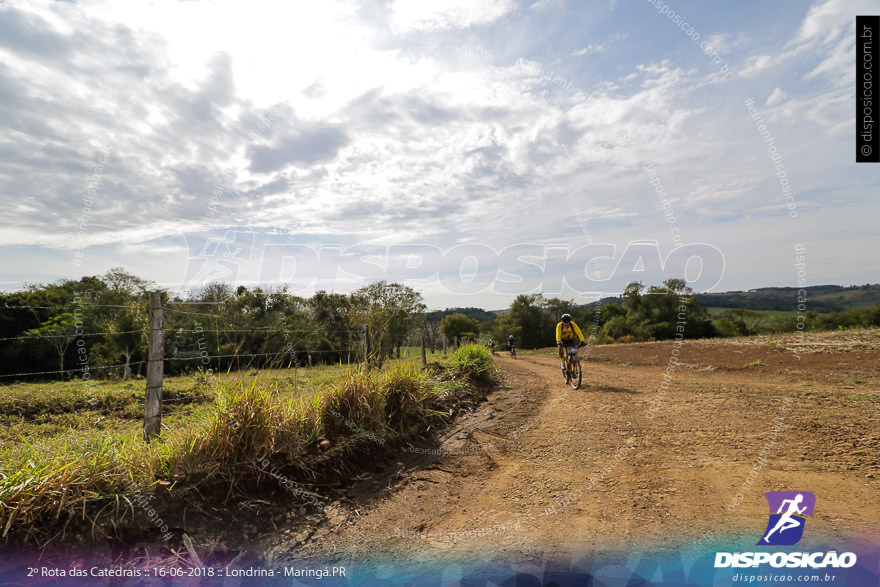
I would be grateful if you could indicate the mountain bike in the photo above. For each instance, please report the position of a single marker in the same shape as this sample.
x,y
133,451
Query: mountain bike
x,y
572,373
512,351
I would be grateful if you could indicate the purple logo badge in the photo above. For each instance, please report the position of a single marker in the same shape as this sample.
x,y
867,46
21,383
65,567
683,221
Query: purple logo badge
x,y
787,516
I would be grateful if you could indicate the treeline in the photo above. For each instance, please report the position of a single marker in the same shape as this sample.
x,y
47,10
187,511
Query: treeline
x,y
641,314
653,313
99,325
739,322
822,298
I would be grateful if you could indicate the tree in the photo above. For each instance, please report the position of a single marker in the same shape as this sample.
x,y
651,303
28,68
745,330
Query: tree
x,y
613,329
609,311
118,308
672,309
127,330
660,312
527,312
214,292
505,326
740,322
631,299
334,321
459,326
59,331
120,281
390,311
292,314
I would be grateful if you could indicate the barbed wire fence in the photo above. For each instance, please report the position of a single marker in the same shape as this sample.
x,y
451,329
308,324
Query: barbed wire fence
x,y
357,351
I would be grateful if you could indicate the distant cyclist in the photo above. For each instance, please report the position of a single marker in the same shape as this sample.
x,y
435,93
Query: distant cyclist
x,y
566,330
510,343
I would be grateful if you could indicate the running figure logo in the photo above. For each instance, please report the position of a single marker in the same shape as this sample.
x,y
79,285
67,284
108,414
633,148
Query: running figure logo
x,y
786,525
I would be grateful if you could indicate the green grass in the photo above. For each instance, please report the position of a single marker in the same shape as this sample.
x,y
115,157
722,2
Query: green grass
x,y
757,363
473,360
34,399
63,464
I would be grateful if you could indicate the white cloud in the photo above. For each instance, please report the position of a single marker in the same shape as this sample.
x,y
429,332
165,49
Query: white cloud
x,y
415,15
825,34
727,42
756,64
835,64
588,49
827,21
828,110
776,97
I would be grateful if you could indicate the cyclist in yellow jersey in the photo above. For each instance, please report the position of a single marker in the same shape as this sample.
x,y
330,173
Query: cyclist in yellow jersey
x,y
566,330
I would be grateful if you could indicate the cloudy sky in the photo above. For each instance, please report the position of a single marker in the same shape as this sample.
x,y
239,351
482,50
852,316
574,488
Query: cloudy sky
x,y
476,149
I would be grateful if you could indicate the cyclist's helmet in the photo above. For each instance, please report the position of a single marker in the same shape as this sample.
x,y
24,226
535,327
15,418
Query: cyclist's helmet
x,y
566,318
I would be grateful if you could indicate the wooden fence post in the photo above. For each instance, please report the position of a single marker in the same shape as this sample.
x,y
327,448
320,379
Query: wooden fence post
x,y
155,369
366,346
444,345
424,358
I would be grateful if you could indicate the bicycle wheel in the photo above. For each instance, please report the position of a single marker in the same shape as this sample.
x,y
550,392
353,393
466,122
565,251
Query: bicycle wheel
x,y
576,374
566,373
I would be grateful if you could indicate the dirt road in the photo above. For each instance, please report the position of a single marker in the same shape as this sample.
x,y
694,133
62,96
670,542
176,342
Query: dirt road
x,y
540,470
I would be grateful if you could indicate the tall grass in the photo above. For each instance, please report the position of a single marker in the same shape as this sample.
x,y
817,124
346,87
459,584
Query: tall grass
x,y
472,361
88,478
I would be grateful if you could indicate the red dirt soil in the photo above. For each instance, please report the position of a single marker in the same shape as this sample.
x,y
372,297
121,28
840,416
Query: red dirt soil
x,y
541,470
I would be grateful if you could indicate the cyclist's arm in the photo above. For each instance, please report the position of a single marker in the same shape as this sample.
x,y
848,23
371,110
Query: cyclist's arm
x,y
559,332
576,331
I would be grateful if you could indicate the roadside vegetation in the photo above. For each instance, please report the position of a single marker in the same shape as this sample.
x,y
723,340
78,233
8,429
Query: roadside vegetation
x,y
69,470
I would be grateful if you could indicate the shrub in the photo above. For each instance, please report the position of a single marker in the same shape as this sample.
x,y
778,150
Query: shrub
x,y
353,400
615,328
472,361
404,390
242,423
660,330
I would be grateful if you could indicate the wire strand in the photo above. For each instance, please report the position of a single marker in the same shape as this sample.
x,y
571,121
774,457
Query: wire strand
x,y
32,336
90,369
281,353
278,354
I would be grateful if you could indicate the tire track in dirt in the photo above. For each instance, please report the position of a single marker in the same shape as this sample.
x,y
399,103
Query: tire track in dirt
x,y
543,471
